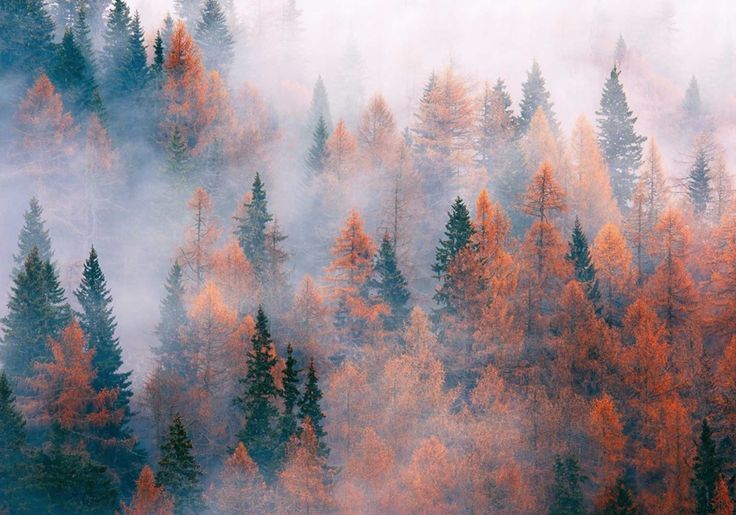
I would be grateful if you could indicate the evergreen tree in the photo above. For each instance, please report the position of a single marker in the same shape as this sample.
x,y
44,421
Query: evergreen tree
x,y
178,472
33,234
318,152
134,71
579,256
390,285
188,10
458,231
320,108
619,53
37,311
252,228
73,75
567,495
691,104
621,145
28,37
179,162
214,38
12,443
619,500
258,402
83,37
706,470
116,45
158,56
170,352
698,180
535,96
309,408
290,394
167,31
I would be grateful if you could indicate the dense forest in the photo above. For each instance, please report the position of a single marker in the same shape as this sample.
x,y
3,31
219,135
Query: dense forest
x,y
329,307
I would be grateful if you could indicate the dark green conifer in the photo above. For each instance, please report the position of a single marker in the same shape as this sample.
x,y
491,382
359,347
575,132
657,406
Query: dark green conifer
x,y
309,408
318,153
116,45
706,470
178,472
73,76
13,490
458,231
252,228
27,37
179,163
535,96
698,180
158,56
620,500
567,494
33,234
214,38
290,394
171,351
134,70
390,285
579,256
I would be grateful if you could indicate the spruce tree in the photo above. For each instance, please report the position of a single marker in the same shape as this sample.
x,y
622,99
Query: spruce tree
x,y
698,181
33,234
620,500
116,45
83,37
309,408
37,311
390,285
567,494
258,401
214,38
12,443
619,53
579,256
458,231
320,108
535,96
28,37
73,76
621,145
167,31
706,470
171,350
178,472
290,394
188,10
252,228
158,57
179,163
318,153
691,104
134,70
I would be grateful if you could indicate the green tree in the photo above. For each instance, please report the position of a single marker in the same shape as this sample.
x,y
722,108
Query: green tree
x,y
37,311
134,71
179,162
389,284
158,56
116,45
535,96
178,472
188,10
706,470
567,494
28,37
458,231
73,75
171,350
252,228
258,401
621,145
33,234
320,108
83,37
619,500
214,38
579,256
318,152
698,180
290,393
13,489
309,408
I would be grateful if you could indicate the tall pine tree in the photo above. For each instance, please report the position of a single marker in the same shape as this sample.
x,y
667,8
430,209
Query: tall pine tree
x,y
33,234
134,71
535,96
252,228
171,350
309,408
579,256
116,45
28,37
389,284
214,38
290,379
698,180
706,470
178,472
318,152
73,76
458,231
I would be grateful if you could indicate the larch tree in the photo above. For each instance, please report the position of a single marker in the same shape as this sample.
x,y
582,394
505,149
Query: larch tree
x,y
201,235
341,151
722,503
214,38
612,259
655,187
535,96
309,320
377,134
149,498
233,275
540,145
621,145
606,428
178,472
241,488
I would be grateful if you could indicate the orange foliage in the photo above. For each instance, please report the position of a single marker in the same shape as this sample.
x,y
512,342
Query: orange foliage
x,y
201,235
606,430
377,133
149,499
342,150
722,502
612,259
241,488
234,277
429,478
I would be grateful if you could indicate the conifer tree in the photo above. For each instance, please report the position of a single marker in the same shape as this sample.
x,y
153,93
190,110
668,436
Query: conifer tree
x,y
619,53
179,163
73,76
116,45
309,408
290,393
178,472
318,153
253,226
28,37
134,71
567,494
37,311
535,96
83,37
458,231
619,500
691,104
214,38
698,180
33,234
12,443
158,56
258,401
706,470
579,256
621,145
320,108
188,10
390,285
171,350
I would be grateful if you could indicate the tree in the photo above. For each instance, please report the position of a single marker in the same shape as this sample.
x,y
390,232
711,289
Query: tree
x,y
253,227
173,320
309,409
722,502
654,183
698,180
722,189
340,151
612,260
178,472
149,498
691,103
320,108
535,96
28,37
706,470
390,285
116,46
619,500
179,160
73,75
196,254
258,400
290,394
607,430
567,495
33,234
582,262
37,311
318,154
377,133
458,231
83,37
241,488
135,72
13,466
622,146
214,38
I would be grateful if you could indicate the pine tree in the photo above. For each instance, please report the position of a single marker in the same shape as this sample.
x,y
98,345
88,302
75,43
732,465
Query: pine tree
x,y
158,56
309,408
691,104
12,443
166,32
290,394
28,37
621,145
117,45
178,472
706,470
135,73
252,228
320,108
214,38
458,231
171,351
188,10
37,311
318,153
83,37
73,76
179,163
619,53
620,500
535,96
33,234
582,262
258,401
698,180
567,495
390,285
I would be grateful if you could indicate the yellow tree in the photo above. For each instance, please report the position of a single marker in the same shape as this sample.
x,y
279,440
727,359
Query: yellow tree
x,y
341,151
612,259
606,429
377,133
